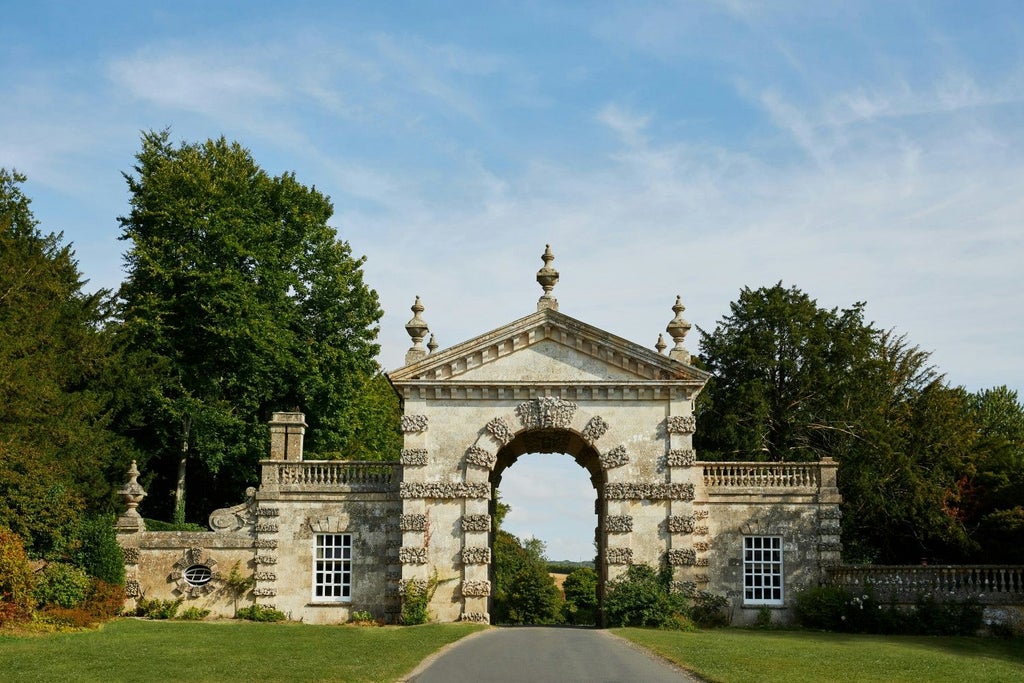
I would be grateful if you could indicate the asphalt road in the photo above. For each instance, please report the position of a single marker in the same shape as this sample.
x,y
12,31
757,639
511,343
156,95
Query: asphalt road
x,y
537,654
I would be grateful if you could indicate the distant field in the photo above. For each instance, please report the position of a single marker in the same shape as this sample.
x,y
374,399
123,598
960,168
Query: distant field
x,y
741,656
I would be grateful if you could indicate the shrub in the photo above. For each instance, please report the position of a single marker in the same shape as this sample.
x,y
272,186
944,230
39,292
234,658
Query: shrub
x,y
63,617
99,553
708,610
106,600
194,614
260,613
157,608
641,598
362,618
823,607
157,525
16,580
62,585
415,600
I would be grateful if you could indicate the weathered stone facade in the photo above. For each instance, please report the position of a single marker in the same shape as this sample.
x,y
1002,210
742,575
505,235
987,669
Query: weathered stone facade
x,y
546,383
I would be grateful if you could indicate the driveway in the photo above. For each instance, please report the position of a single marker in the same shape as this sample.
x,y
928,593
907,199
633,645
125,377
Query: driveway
x,y
545,653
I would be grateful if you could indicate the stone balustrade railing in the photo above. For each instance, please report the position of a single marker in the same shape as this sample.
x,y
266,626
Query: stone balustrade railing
x,y
328,474
790,475
989,584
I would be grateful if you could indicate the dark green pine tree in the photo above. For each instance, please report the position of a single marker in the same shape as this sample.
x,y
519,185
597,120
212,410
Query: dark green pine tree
x,y
247,301
59,385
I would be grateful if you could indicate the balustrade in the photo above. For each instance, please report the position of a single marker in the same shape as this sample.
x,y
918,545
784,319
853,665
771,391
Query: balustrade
x,y
987,583
761,475
368,476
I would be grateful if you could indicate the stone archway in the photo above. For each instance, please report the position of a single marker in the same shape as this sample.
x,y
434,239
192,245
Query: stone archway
x,y
544,383
559,443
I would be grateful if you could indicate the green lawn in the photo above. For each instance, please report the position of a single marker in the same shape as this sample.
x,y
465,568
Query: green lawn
x,y
137,650
737,656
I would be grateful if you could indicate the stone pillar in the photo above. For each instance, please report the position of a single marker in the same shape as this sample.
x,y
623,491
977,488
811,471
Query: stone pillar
x,y
287,430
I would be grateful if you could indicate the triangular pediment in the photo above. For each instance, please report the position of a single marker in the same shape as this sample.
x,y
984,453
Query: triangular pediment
x,y
547,347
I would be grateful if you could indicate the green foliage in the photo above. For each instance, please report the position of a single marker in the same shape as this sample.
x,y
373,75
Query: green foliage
x,y
416,599
362,618
831,608
580,589
158,525
238,584
194,614
641,597
98,551
157,608
260,613
524,592
247,302
795,381
62,382
62,585
16,581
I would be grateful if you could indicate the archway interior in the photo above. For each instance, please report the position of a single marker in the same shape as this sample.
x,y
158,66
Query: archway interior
x,y
561,442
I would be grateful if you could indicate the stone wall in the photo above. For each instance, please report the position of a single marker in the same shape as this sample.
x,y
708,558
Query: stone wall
x,y
155,562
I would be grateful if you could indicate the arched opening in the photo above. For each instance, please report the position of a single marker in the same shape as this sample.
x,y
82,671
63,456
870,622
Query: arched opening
x,y
558,442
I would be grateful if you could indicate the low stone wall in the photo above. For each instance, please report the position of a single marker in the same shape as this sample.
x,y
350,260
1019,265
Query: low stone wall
x,y
156,562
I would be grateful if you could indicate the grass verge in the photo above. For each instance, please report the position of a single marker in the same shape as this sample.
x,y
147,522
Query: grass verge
x,y
737,656
128,649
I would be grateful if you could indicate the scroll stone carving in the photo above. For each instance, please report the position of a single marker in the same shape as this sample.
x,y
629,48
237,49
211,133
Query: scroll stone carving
x,y
700,531
412,523
594,429
476,589
681,457
500,430
546,413
476,555
132,588
265,559
410,555
616,457
702,562
265,543
265,576
131,555
685,557
444,490
236,517
685,587
267,512
266,528
414,457
619,556
702,513
476,523
681,424
701,546
413,424
480,457
630,491
681,524
475,617
264,592
618,524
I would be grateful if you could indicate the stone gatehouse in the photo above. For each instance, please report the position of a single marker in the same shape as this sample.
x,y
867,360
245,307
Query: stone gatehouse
x,y
322,539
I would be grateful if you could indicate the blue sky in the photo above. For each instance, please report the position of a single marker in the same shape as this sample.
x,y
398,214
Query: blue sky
x,y
860,151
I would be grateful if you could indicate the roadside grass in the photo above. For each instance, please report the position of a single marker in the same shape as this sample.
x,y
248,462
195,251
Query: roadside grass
x,y
138,650
737,656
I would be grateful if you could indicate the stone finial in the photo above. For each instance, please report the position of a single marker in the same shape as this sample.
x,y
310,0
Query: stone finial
x,y
432,344
678,328
547,277
660,345
131,494
417,329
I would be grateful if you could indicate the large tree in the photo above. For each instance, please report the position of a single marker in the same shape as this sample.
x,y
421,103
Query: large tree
x,y
248,302
59,384
795,381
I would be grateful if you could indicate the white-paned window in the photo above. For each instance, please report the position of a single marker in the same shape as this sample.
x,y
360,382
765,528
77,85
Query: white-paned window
x,y
332,568
762,570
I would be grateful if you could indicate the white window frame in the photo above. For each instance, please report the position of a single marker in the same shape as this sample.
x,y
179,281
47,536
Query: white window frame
x,y
763,575
332,568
